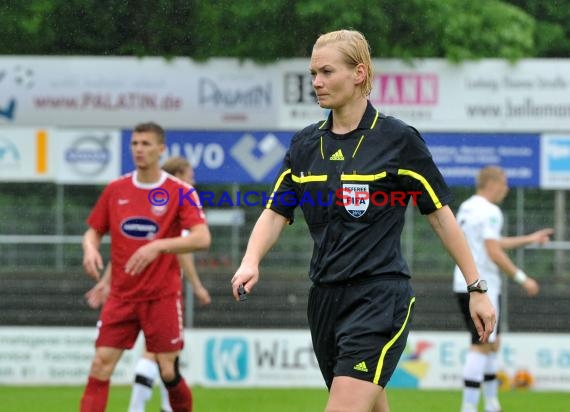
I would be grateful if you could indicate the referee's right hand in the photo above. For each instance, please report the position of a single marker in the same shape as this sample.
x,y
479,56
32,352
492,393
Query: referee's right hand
x,y
247,275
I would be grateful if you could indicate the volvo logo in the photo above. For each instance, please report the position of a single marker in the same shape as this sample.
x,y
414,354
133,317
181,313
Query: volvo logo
x,y
89,155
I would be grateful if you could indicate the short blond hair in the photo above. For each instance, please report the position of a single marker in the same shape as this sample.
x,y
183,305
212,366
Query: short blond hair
x,y
489,174
176,165
355,49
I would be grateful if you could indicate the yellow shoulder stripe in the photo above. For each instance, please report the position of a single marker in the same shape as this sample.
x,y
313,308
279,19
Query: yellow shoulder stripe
x,y
277,184
425,184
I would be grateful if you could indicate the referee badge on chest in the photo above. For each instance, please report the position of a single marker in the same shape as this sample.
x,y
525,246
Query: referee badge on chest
x,y
355,198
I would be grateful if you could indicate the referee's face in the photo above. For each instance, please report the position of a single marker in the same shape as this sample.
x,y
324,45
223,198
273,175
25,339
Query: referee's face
x,y
336,84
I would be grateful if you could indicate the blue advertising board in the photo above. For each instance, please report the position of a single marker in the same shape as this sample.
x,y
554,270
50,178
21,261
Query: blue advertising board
x,y
224,157
460,156
255,157
555,161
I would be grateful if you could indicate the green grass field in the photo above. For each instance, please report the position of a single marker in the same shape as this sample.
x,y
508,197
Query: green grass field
x,y
64,399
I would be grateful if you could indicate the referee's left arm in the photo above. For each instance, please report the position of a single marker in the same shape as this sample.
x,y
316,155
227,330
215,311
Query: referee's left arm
x,y
448,230
445,225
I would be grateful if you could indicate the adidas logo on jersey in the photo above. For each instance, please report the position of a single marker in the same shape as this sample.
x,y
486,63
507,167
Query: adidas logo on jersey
x,y
361,367
337,155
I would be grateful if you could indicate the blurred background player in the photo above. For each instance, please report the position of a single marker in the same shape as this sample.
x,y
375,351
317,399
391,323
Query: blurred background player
x,y
482,220
145,286
146,370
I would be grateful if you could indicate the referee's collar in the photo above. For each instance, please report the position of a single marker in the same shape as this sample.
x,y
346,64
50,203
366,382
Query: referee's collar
x,y
368,121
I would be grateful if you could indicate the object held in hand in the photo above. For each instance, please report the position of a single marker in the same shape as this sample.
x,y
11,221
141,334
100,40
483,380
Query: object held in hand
x,y
242,293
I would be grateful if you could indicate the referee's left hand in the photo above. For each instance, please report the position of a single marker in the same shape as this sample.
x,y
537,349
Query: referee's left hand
x,y
483,314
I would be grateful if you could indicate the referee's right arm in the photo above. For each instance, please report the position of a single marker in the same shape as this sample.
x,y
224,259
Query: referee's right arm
x,y
264,235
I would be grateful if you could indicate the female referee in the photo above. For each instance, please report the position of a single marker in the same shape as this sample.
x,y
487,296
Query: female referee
x,y
361,303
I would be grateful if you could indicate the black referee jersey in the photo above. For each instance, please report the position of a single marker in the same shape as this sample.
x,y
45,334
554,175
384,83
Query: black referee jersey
x,y
353,190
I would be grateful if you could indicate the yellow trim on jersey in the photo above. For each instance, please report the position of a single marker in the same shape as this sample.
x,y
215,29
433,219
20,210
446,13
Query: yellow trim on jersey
x,y
323,123
362,178
357,146
322,151
425,183
390,343
277,184
310,178
375,119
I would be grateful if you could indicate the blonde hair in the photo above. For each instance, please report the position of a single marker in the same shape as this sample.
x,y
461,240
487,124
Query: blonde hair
x,y
355,49
489,174
176,165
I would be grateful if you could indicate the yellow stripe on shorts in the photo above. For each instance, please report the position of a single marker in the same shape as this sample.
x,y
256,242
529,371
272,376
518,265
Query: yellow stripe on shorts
x,y
391,343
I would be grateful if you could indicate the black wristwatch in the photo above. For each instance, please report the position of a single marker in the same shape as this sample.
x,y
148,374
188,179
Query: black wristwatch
x,y
479,286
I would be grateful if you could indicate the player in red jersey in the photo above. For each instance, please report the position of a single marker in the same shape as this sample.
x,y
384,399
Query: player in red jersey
x,y
144,216
146,369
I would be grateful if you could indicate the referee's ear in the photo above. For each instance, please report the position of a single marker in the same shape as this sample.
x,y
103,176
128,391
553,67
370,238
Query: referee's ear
x,y
359,74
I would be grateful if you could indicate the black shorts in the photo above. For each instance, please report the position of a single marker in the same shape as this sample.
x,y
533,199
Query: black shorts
x,y
360,329
463,300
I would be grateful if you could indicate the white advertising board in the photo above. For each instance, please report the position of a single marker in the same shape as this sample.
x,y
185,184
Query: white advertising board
x,y
46,356
435,360
273,358
86,156
491,95
24,155
435,95
241,357
123,91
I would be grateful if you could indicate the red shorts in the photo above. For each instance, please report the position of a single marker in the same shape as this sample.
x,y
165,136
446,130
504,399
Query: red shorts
x,y
160,320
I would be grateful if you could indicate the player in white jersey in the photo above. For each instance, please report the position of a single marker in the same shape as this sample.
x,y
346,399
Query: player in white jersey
x,y
482,221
